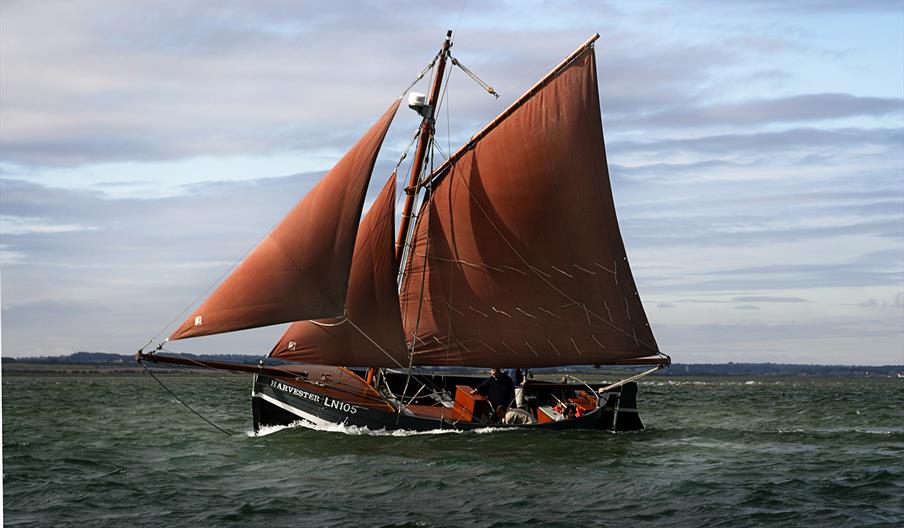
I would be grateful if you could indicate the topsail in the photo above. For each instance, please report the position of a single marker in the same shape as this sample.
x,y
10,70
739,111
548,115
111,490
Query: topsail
x,y
516,258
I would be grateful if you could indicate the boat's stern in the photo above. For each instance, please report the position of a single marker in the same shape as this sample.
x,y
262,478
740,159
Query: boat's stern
x,y
620,409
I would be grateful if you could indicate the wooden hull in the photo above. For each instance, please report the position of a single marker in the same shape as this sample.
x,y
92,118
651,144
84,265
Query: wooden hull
x,y
331,396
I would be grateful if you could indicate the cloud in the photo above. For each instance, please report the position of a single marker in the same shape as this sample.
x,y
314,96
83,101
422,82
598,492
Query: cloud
x,y
8,257
824,341
786,277
806,107
39,312
810,6
139,83
18,225
769,299
773,142
896,302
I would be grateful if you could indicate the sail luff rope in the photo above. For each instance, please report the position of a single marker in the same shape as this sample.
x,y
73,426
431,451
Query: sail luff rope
x,y
449,142
448,111
400,193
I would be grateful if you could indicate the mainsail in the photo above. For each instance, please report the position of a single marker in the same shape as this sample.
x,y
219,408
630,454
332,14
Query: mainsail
x,y
370,333
516,258
300,270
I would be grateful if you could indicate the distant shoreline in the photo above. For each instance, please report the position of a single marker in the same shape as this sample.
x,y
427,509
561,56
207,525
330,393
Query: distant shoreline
x,y
43,369
104,364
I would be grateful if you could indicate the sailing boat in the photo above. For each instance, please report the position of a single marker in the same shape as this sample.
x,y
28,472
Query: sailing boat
x,y
513,259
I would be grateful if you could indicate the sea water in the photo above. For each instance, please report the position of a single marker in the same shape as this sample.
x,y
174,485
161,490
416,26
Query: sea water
x,y
87,451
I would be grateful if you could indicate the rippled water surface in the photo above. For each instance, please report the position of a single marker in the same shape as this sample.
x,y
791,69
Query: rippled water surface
x,y
118,451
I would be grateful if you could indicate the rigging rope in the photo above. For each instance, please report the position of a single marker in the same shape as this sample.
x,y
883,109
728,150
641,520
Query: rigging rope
x,y
460,13
178,399
423,276
421,75
297,376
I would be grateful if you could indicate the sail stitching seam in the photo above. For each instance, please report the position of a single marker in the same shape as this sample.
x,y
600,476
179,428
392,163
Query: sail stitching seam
x,y
525,261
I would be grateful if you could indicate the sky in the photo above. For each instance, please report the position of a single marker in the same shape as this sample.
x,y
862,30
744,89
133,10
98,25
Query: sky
x,y
756,150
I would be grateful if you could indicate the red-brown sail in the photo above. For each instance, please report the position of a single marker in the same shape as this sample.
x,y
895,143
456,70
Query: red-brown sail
x,y
517,259
370,333
300,270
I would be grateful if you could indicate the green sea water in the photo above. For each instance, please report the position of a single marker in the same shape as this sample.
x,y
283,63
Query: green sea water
x,y
118,451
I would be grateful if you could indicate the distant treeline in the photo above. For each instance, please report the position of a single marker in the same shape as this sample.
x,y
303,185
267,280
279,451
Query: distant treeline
x,y
781,369
104,359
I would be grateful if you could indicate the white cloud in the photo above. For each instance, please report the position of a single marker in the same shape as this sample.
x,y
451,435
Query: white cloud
x,y
20,225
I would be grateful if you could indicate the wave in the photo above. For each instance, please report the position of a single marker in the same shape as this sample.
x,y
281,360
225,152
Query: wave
x,y
718,383
355,430
842,430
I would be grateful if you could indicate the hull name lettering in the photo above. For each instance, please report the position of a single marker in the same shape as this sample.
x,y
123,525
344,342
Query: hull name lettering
x,y
332,403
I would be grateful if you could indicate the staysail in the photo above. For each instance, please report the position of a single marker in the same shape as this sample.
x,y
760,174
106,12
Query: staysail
x,y
370,333
516,258
300,270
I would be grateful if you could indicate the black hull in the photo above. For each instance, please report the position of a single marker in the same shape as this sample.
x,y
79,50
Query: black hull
x,y
280,401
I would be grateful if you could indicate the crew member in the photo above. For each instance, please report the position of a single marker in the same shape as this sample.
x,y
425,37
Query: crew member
x,y
518,379
498,389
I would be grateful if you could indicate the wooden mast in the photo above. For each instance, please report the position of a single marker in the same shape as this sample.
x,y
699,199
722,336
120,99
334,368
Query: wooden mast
x,y
420,155
420,158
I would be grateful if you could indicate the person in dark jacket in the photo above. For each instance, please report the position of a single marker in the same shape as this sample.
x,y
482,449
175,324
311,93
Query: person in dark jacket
x,y
499,389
